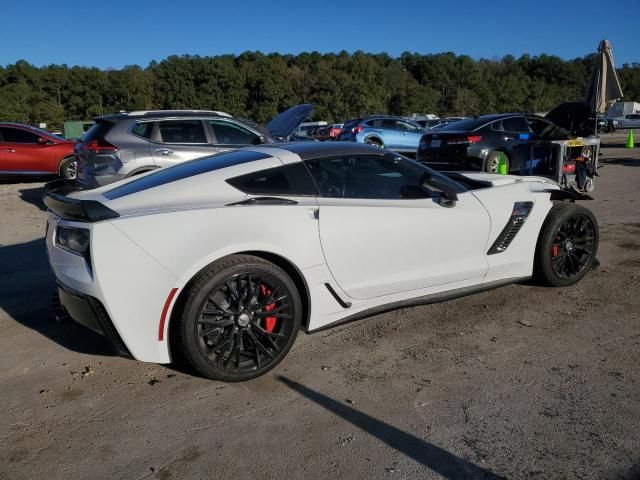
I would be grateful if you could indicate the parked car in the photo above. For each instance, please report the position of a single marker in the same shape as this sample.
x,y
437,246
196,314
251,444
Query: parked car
x,y
477,143
631,120
126,144
442,122
26,150
222,260
425,121
393,133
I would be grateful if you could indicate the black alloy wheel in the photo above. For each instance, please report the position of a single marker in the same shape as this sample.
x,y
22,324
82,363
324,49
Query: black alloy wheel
x,y
242,320
573,246
567,246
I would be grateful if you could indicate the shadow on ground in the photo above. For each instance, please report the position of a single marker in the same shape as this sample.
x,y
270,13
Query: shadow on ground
x,y
27,289
33,196
434,458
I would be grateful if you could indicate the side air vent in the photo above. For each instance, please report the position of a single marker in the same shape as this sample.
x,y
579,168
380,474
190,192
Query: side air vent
x,y
519,215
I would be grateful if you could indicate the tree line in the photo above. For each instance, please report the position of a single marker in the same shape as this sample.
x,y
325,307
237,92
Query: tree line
x,y
258,86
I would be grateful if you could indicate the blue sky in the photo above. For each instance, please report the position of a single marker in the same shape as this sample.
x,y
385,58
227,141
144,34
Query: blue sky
x,y
117,33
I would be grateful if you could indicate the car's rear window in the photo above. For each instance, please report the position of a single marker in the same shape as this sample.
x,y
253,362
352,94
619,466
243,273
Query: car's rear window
x,y
97,132
465,125
185,170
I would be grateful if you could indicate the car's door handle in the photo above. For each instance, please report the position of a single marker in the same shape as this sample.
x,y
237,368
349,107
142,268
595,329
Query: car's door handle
x,y
508,139
164,151
8,150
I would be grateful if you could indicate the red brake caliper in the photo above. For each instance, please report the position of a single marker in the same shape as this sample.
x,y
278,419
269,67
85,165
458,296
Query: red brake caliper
x,y
555,249
269,322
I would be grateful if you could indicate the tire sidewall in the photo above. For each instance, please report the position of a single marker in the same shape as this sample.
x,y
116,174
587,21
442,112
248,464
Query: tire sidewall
x,y
495,155
192,305
64,165
558,215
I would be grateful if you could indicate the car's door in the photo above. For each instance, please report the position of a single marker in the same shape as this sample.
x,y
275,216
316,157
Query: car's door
x,y
381,235
410,135
228,135
516,136
391,135
23,151
630,121
179,140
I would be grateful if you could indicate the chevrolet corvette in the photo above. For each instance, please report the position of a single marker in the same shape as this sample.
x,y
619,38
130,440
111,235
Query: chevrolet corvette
x,y
222,260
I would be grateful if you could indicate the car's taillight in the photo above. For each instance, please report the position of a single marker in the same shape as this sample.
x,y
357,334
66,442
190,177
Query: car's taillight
x,y
464,140
99,147
357,129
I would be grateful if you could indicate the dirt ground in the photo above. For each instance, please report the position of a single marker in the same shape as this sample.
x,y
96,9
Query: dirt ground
x,y
519,382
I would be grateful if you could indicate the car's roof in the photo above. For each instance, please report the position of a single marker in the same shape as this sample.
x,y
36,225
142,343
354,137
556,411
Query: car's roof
x,y
163,114
473,123
37,130
311,150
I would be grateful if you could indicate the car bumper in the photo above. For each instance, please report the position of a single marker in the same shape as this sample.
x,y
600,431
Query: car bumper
x,y
94,174
117,290
90,312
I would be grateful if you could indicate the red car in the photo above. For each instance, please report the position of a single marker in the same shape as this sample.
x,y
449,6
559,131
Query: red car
x,y
26,150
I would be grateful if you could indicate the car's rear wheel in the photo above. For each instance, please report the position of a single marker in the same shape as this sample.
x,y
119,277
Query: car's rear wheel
x,y
375,142
493,162
240,318
69,168
567,245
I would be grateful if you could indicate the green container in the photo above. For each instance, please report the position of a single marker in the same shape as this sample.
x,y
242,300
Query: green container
x,y
75,130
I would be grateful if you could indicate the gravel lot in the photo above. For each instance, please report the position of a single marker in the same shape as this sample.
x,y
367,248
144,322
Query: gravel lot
x,y
518,382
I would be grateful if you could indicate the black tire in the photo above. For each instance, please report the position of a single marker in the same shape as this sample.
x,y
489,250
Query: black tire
x,y
375,142
493,159
69,168
244,341
567,245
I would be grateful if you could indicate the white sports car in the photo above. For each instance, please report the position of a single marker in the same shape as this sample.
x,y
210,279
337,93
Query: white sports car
x,y
222,260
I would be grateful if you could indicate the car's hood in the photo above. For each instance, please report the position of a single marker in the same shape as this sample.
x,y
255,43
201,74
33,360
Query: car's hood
x,y
285,123
571,116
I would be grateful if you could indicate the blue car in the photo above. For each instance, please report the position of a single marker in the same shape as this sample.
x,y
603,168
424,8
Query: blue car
x,y
393,133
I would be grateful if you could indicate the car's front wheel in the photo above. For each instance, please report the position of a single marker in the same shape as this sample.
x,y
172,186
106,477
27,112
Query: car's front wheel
x,y
567,245
240,318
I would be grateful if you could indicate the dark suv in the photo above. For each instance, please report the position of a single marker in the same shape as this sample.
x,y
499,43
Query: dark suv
x,y
126,144
477,143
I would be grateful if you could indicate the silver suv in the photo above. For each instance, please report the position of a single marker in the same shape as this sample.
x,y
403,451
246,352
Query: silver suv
x,y
125,144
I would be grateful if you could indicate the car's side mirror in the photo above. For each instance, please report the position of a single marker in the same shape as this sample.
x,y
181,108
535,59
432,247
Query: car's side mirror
x,y
448,195
42,141
258,140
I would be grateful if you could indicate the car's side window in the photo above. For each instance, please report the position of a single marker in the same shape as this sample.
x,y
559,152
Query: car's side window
x,y
374,177
143,129
515,124
405,126
388,123
16,135
229,133
291,179
181,131
497,126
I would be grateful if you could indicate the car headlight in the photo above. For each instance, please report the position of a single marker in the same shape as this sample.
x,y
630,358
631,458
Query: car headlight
x,y
75,240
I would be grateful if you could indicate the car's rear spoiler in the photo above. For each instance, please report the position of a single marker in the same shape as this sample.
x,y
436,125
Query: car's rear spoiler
x,y
56,199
